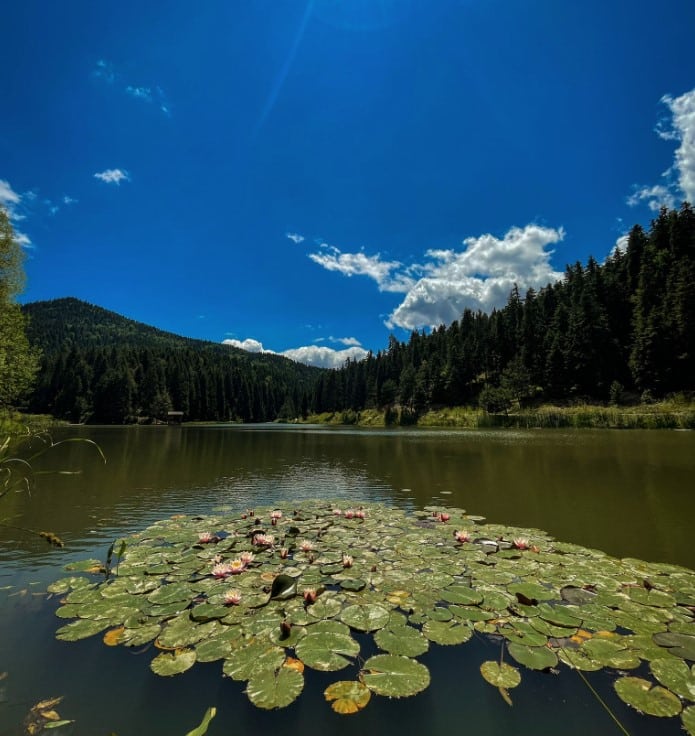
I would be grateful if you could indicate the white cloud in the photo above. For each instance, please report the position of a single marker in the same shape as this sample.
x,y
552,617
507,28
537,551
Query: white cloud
x,y
679,178
70,200
478,277
8,197
113,176
250,345
350,341
655,197
389,275
295,237
142,93
315,355
105,70
324,357
10,200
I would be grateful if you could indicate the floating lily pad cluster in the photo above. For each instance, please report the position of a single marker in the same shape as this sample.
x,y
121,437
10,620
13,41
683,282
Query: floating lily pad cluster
x,y
274,591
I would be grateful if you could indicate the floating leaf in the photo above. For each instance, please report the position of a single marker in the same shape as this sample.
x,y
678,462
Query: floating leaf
x,y
404,640
647,698
688,718
680,645
250,658
347,696
395,676
80,629
369,617
278,689
114,637
327,651
500,674
535,658
675,675
283,587
461,594
167,664
447,633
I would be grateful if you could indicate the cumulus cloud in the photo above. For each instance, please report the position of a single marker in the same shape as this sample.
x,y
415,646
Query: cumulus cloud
x,y
142,93
319,356
389,275
113,176
295,237
10,201
250,345
679,179
324,357
478,277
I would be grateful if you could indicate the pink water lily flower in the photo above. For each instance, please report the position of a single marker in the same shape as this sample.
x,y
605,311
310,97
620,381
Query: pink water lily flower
x,y
306,546
347,560
221,570
232,597
206,538
246,557
462,536
521,543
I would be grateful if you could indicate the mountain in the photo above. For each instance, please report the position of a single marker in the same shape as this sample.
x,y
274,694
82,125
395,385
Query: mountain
x,y
99,366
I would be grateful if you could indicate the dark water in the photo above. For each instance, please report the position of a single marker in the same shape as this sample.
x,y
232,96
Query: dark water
x,y
628,493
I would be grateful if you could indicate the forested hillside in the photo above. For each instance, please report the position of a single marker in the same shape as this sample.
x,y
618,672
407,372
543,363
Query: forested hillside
x,y
627,325
101,367
606,331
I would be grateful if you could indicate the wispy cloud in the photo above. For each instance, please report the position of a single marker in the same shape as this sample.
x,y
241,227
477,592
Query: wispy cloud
x,y
351,341
113,176
678,181
295,237
11,201
389,275
316,355
152,94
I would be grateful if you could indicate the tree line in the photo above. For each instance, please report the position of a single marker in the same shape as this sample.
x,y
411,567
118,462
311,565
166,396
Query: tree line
x,y
623,328
603,332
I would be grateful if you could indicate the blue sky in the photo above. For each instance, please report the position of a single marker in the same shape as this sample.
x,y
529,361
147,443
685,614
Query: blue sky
x,y
311,175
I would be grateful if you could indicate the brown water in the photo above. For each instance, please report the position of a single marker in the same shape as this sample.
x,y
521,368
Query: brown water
x,y
629,493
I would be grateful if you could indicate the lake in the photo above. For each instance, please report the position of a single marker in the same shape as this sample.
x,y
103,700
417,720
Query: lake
x,y
628,493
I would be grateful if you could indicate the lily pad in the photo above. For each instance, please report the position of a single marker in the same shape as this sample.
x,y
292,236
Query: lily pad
x,y
80,629
646,697
500,674
327,651
535,658
680,645
395,676
167,664
251,657
404,640
278,689
447,633
347,696
369,617
675,675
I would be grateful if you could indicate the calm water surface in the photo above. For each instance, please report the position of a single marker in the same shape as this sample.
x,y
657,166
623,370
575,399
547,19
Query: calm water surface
x,y
628,493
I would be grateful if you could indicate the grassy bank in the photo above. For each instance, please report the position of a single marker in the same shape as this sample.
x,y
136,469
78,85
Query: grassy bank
x,y
13,423
669,414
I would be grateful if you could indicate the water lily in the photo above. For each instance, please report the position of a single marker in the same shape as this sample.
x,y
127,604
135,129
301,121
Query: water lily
x,y
284,552
221,570
337,512
444,516
310,595
349,514
206,538
264,540
521,543
347,560
360,514
306,546
236,567
460,535
232,597
246,557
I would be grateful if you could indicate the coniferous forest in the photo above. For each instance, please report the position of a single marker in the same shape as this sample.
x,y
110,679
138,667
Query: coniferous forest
x,y
625,327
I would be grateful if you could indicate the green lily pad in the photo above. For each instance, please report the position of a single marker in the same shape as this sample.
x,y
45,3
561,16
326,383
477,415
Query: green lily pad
x,y
369,617
167,664
327,651
447,632
646,697
500,674
688,719
395,676
461,594
535,658
675,675
251,657
80,629
680,645
403,640
278,689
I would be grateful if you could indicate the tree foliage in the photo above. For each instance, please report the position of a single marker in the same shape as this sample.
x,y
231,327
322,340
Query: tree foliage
x,y
18,361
